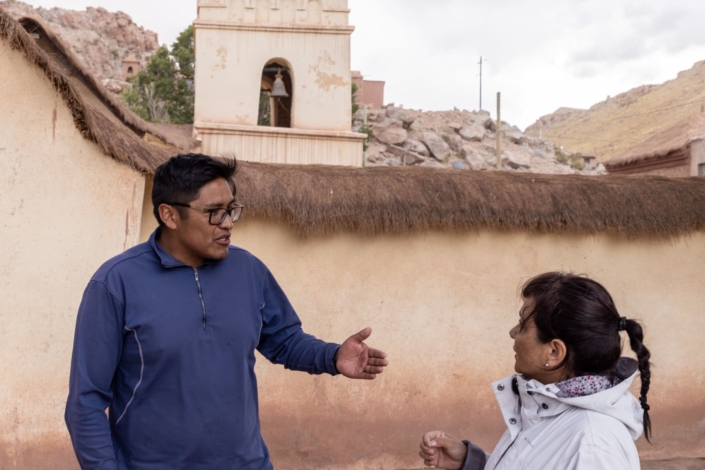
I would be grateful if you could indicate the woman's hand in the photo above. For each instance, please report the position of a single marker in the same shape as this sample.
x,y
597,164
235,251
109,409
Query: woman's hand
x,y
442,450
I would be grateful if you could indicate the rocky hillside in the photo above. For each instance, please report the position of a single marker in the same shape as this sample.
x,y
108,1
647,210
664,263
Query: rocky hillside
x,y
610,128
99,38
457,139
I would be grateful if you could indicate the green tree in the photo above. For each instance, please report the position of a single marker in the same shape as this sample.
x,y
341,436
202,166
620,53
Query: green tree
x,y
355,106
163,92
183,52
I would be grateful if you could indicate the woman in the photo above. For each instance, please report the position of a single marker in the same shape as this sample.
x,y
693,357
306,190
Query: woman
x,y
569,406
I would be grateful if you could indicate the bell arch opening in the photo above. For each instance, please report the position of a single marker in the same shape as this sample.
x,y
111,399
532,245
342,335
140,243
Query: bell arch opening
x,y
276,94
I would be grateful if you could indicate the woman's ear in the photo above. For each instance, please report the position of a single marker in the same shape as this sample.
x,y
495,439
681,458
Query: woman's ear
x,y
556,354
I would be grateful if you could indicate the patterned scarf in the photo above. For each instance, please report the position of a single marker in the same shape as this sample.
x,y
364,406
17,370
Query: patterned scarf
x,y
583,386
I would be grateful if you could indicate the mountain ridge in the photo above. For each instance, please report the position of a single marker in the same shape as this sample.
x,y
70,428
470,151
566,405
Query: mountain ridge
x,y
610,128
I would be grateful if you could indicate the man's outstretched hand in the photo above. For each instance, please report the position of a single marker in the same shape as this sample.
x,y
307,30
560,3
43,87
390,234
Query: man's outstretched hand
x,y
356,360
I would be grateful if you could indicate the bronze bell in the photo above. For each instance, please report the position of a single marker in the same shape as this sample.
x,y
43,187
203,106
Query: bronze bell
x,y
278,88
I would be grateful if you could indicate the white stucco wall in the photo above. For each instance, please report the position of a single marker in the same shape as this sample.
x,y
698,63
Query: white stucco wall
x,y
65,208
441,305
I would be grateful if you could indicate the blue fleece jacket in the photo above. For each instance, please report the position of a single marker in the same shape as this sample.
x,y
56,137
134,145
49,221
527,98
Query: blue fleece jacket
x,y
170,351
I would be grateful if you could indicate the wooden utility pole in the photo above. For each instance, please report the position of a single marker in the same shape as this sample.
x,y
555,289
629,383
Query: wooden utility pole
x,y
480,83
499,133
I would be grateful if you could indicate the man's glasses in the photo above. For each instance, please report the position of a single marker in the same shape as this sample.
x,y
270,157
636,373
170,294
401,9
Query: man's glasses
x,y
216,216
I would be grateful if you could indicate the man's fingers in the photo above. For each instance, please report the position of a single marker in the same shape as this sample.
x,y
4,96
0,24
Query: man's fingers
x,y
376,353
374,369
377,362
362,335
367,376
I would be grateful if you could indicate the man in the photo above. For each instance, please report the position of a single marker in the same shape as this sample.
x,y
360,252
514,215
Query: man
x,y
166,337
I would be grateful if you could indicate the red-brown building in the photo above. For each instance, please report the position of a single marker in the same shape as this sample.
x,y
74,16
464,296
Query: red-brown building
x,y
369,93
677,151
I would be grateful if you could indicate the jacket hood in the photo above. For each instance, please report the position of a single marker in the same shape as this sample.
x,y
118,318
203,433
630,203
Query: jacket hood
x,y
617,402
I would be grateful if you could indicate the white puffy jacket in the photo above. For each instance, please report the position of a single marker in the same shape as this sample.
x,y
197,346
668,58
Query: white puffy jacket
x,y
547,432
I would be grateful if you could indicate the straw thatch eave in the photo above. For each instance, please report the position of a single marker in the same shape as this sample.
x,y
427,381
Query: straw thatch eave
x,y
111,135
319,200
674,139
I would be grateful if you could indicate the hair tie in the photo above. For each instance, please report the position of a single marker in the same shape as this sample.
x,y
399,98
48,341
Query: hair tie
x,y
645,407
622,323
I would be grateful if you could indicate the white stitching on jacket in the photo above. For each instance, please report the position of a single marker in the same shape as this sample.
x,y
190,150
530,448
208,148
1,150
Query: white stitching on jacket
x,y
134,390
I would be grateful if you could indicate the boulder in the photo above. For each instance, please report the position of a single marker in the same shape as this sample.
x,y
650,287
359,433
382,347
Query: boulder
x,y
405,155
454,141
491,160
517,159
407,116
459,165
391,162
374,153
412,159
417,126
439,149
514,135
416,146
479,117
537,152
473,157
390,131
456,126
474,133
489,124
432,164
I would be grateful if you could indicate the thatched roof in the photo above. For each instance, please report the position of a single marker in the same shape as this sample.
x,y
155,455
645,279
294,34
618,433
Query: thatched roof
x,y
663,143
72,67
323,200
97,114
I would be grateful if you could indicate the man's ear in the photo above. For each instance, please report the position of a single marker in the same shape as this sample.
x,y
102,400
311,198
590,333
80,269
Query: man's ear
x,y
169,215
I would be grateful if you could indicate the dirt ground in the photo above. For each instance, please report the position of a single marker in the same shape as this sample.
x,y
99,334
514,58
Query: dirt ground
x,y
688,464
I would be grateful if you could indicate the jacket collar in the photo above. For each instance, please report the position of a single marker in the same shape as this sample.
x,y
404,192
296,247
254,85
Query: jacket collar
x,y
537,401
165,258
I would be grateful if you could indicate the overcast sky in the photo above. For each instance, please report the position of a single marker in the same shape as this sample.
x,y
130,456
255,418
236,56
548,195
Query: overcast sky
x,y
541,54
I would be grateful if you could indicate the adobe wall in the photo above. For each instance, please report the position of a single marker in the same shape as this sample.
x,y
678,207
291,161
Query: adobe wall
x,y
65,208
697,156
441,305
674,171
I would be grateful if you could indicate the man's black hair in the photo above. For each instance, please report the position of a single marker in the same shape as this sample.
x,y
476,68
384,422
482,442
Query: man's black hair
x,y
180,179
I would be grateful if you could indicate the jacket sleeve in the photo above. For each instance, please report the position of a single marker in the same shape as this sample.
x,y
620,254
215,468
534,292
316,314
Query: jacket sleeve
x,y
282,340
476,458
96,351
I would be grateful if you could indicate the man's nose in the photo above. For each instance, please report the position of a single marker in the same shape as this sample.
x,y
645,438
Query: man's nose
x,y
227,222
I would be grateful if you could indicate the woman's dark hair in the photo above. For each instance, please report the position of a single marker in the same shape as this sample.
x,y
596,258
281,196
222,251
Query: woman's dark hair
x,y
180,179
581,313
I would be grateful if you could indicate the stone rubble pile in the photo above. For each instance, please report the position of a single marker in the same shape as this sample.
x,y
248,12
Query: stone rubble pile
x,y
454,139
99,38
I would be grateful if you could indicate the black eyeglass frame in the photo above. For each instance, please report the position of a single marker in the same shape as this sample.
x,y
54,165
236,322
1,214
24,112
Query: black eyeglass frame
x,y
235,211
